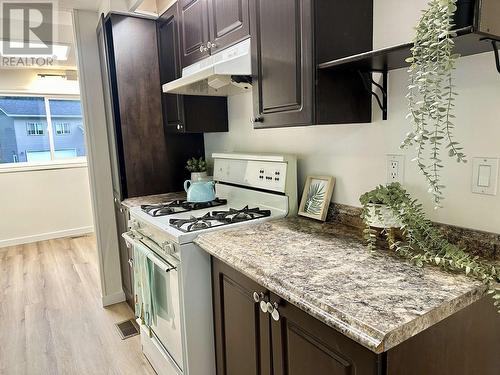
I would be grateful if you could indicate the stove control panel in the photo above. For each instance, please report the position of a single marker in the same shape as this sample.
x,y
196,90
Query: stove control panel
x,y
265,175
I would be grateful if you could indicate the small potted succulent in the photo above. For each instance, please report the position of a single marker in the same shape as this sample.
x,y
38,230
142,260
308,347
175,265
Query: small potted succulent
x,y
198,169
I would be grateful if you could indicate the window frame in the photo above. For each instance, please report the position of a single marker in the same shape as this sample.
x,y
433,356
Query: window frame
x,y
54,163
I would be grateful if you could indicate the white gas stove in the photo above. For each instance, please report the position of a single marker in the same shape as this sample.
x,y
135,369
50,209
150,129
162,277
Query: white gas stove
x,y
249,189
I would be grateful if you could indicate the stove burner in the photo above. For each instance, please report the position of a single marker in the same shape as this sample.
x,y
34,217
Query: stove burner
x,y
178,206
218,218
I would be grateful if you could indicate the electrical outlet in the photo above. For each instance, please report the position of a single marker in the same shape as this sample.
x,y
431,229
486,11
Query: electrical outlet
x,y
395,168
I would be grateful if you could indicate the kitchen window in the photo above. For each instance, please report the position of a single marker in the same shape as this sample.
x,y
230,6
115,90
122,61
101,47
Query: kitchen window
x,y
41,130
63,128
35,128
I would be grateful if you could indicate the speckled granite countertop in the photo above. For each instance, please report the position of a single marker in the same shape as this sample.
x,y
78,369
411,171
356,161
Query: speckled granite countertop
x,y
153,199
377,299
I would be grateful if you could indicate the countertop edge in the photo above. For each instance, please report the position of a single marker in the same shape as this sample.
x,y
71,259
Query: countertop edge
x,y
377,344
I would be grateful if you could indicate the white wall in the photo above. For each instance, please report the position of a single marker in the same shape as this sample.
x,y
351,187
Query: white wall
x,y
355,154
42,204
85,23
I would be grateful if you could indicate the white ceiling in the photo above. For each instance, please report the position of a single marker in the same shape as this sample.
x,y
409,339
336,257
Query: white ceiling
x,y
79,4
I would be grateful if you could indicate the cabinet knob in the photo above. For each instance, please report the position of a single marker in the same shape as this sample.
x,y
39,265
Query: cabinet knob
x,y
202,48
211,45
257,119
257,297
272,308
131,262
263,306
275,315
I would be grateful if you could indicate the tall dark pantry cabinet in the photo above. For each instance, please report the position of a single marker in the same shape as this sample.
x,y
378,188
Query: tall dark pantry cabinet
x,y
145,159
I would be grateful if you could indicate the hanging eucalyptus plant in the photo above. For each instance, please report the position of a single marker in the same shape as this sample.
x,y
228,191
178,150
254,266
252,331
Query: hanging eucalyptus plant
x,y
422,243
431,94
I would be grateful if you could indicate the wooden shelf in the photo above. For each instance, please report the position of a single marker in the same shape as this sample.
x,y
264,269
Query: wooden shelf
x,y
467,43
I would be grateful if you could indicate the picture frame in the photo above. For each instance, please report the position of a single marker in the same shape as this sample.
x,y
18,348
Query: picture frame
x,y
316,197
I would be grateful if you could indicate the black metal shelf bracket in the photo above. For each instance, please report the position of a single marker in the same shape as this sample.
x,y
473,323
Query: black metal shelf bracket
x,y
495,51
369,82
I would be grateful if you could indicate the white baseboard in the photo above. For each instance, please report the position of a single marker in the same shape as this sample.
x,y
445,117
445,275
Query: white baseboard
x,y
113,298
46,236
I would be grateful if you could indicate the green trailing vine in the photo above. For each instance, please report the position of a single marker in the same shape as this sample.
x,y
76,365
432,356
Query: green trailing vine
x,y
431,95
422,242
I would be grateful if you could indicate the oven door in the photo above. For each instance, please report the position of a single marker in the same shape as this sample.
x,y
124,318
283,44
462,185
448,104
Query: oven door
x,y
167,329
168,318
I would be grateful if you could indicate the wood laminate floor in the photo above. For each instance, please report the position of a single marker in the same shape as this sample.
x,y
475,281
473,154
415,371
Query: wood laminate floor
x,y
51,318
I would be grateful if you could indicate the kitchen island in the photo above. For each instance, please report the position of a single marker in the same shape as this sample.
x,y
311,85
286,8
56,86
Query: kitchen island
x,y
376,299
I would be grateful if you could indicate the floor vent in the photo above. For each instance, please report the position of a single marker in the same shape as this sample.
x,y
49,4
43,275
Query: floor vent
x,y
127,328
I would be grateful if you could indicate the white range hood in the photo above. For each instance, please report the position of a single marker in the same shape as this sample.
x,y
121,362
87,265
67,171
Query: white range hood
x,y
222,74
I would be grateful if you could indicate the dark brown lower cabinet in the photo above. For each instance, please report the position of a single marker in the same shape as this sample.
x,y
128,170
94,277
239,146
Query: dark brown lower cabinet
x,y
251,342
242,339
125,252
304,345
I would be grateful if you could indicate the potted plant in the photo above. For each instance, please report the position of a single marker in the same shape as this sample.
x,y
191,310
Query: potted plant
x,y
198,169
421,242
431,93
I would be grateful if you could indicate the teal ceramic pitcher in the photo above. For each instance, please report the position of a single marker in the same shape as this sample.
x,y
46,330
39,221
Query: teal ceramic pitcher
x,y
199,191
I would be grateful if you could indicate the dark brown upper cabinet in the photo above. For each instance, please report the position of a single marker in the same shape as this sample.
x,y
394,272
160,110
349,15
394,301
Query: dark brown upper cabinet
x,y
145,160
289,39
194,30
184,114
229,23
209,26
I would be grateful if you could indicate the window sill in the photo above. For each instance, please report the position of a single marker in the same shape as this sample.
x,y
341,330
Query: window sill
x,y
28,167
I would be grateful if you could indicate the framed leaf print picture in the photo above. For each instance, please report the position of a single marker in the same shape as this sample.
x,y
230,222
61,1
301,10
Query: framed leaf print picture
x,y
316,197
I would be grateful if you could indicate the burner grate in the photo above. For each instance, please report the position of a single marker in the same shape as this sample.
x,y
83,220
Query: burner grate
x,y
179,206
218,218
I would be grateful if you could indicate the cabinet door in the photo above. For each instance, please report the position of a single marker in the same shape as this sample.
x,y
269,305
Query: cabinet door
x,y
302,345
138,118
229,23
184,114
194,30
170,68
125,253
242,342
114,137
282,60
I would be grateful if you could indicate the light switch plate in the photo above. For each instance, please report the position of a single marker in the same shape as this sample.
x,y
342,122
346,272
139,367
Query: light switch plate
x,y
485,176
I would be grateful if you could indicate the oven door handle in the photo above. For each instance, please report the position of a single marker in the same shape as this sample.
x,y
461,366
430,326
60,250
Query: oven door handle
x,y
162,264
